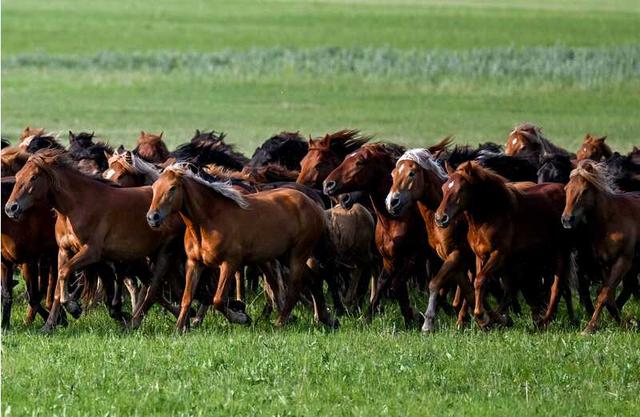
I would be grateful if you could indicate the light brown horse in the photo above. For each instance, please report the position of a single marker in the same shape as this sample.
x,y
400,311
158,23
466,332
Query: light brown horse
x,y
526,140
130,170
611,221
95,221
13,159
594,148
418,179
228,229
510,230
326,153
31,131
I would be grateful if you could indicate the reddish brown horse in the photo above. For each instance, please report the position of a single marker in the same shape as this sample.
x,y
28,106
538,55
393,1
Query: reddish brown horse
x,y
594,148
526,140
400,240
325,154
611,221
151,148
95,221
29,243
510,230
228,229
418,179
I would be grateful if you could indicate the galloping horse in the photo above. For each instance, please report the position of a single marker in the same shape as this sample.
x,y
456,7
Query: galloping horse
x,y
95,221
228,229
526,140
611,221
417,178
594,148
400,240
510,230
151,148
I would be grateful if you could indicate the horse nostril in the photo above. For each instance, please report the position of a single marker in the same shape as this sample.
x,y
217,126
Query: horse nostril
x,y
329,186
395,202
443,219
14,207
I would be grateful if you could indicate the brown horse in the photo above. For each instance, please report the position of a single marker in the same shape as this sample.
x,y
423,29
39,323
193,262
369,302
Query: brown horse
x,y
594,148
29,243
151,148
418,179
31,131
91,225
228,229
526,140
13,159
325,154
400,240
612,223
511,230
130,170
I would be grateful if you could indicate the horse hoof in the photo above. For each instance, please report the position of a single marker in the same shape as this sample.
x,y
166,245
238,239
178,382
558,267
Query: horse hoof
x,y
196,322
238,317
46,329
73,308
507,321
588,331
237,305
429,325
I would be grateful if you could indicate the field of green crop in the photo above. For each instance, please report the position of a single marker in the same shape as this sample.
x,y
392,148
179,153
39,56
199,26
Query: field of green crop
x,y
409,71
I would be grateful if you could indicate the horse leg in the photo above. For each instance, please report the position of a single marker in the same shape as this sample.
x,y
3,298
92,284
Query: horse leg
x,y
320,311
30,271
192,277
607,292
7,293
86,256
240,286
559,283
584,281
450,268
153,291
220,299
485,270
383,283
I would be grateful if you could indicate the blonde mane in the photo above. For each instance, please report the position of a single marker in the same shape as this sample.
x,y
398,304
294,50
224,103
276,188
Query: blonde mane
x,y
225,189
596,174
425,159
134,165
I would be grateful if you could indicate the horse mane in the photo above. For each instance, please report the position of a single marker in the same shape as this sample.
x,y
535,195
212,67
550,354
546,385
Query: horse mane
x,y
596,174
342,142
151,148
96,151
48,158
270,173
534,134
220,172
563,161
33,144
392,150
441,146
425,159
285,148
80,140
224,189
5,143
135,165
207,148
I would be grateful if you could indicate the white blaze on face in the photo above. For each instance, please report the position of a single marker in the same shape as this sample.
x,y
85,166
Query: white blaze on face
x,y
451,184
109,173
514,141
401,168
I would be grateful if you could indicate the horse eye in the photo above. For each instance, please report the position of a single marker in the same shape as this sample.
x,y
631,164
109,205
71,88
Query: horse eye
x,y
412,174
33,178
360,162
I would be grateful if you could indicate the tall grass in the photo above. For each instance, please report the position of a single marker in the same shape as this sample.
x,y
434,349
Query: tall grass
x,y
566,65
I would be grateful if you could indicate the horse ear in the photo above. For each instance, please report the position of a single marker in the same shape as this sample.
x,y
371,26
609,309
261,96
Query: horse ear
x,y
107,155
93,133
601,139
142,134
449,168
71,135
467,168
160,135
198,132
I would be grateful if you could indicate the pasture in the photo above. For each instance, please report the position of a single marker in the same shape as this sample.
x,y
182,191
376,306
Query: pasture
x,y
409,72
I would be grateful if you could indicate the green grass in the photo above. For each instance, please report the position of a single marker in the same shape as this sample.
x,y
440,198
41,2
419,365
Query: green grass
x,y
409,71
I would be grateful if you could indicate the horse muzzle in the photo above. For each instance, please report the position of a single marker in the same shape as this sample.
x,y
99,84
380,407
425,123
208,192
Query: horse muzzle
x,y
395,203
154,219
568,221
13,210
442,220
329,187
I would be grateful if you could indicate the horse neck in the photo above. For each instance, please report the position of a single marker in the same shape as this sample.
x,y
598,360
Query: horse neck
x,y
489,201
431,190
73,190
381,187
201,205
601,213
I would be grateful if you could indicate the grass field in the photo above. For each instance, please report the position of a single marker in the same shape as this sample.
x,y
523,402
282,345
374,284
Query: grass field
x,y
409,71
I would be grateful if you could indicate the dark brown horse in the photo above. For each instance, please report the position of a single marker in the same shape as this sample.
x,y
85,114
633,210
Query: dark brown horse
x,y
326,153
91,224
611,221
594,148
511,230
418,179
228,229
400,240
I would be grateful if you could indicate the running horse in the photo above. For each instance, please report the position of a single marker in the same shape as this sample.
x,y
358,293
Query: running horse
x,y
512,232
611,221
594,148
527,141
91,225
228,229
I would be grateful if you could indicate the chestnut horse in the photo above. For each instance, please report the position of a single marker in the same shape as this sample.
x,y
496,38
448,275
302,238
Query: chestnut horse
x,y
417,178
611,221
526,140
91,223
510,230
400,240
594,148
228,229
151,148
325,154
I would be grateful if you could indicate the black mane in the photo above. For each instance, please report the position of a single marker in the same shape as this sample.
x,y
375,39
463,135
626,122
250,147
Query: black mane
x,y
209,148
285,148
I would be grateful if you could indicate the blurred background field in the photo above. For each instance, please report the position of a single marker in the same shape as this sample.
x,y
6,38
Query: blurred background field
x,y
409,71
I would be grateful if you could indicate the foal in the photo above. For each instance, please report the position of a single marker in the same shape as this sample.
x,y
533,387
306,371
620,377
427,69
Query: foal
x,y
509,229
228,229
612,223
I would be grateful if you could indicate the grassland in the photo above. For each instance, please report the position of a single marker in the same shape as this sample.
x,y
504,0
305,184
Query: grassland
x,y
408,71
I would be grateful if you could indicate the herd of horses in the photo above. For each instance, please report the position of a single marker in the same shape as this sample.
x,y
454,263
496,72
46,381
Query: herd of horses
x,y
475,229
